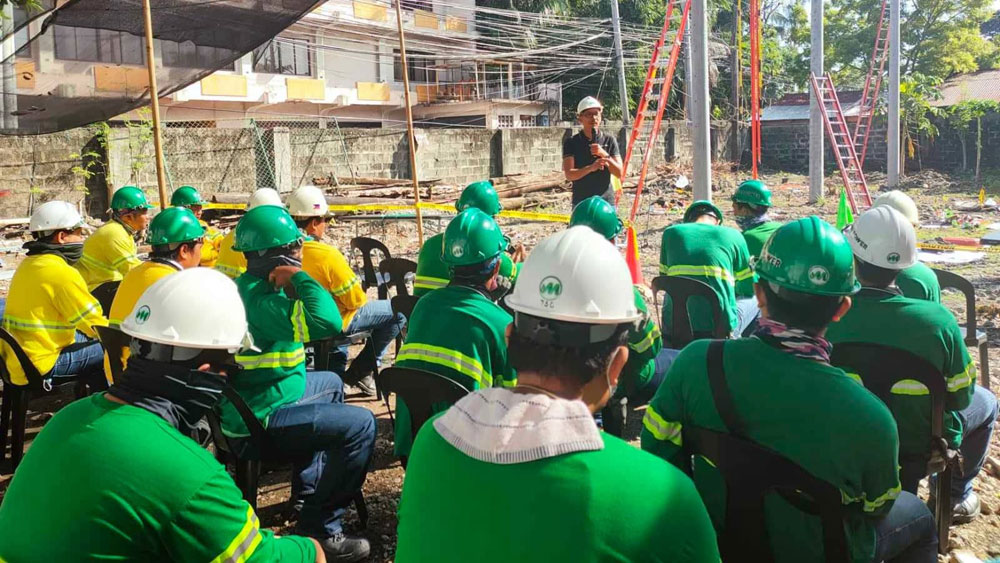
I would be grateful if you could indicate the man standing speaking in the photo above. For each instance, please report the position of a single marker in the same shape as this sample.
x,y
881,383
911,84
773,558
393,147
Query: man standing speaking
x,y
591,157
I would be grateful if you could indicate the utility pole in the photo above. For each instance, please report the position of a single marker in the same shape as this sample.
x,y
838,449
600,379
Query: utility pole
x,y
892,158
736,39
816,139
411,143
154,104
687,70
701,125
622,88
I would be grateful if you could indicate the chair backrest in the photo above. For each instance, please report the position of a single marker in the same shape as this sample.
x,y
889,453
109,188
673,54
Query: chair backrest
x,y
880,367
951,280
421,390
751,472
365,246
404,304
394,271
105,295
114,342
35,380
260,441
680,290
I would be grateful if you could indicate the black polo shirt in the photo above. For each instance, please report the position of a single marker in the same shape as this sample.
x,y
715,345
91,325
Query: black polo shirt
x,y
599,181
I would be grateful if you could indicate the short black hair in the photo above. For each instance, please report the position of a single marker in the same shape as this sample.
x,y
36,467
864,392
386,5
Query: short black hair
x,y
872,275
303,222
806,311
40,236
165,252
575,365
756,210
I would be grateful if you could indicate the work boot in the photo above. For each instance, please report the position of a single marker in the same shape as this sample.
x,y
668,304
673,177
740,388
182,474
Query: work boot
x,y
367,386
345,548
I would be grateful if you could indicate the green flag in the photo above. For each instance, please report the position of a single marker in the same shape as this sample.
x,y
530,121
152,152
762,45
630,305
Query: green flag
x,y
844,215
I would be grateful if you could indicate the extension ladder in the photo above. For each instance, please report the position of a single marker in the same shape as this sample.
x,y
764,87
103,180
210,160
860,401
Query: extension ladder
x,y
873,84
841,142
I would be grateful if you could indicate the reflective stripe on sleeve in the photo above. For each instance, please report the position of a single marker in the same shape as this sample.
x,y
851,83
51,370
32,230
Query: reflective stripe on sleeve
x,y
34,325
245,542
132,258
346,287
94,263
647,342
231,271
273,360
662,429
94,305
871,505
425,282
744,274
962,380
855,377
447,358
704,271
300,329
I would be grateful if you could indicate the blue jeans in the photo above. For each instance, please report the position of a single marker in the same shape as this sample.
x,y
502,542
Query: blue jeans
x,y
332,445
83,358
978,420
384,324
906,534
747,313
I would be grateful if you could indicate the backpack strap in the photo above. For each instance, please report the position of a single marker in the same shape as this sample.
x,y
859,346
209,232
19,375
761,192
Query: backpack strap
x,y
720,390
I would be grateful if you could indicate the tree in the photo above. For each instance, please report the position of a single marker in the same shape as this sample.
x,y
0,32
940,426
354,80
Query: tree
x,y
915,95
961,115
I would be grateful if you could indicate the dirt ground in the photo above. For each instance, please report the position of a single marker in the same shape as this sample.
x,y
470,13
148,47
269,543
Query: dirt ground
x,y
938,196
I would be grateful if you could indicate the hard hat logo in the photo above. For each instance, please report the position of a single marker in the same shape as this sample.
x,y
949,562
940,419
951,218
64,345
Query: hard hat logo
x,y
457,250
893,258
819,275
142,315
550,288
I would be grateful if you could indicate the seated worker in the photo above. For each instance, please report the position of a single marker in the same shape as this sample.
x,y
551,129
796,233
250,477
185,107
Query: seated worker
x,y
458,331
139,488
884,243
532,458
645,368
701,248
918,281
751,202
304,413
231,262
789,399
327,265
433,273
49,311
187,196
176,239
110,252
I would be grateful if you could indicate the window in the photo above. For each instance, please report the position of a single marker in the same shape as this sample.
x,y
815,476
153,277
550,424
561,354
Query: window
x,y
189,55
283,56
426,5
504,121
419,65
98,45
526,121
21,35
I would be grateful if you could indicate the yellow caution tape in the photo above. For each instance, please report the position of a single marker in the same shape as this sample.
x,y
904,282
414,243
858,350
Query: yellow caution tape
x,y
383,207
936,246
532,216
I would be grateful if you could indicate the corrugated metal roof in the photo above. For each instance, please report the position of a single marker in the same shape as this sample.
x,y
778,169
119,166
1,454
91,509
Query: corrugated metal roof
x,y
981,85
795,107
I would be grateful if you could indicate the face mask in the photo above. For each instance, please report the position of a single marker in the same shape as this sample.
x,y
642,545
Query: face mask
x,y
178,394
262,266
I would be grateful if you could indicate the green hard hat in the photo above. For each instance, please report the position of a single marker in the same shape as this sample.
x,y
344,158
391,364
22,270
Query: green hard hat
x,y
809,256
699,208
186,196
174,224
129,197
481,195
264,227
472,237
753,192
597,214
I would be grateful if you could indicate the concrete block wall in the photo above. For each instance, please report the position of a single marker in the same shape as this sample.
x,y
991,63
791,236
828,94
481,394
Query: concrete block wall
x,y
785,146
39,168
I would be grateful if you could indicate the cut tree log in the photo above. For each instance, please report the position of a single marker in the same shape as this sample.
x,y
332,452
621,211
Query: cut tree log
x,y
377,182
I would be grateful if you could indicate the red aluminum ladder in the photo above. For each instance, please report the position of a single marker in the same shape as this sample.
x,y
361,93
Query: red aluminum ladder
x,y
841,143
873,84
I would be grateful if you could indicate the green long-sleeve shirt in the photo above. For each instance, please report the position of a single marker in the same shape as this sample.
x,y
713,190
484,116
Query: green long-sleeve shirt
x,y
279,325
432,273
810,412
923,328
756,236
644,343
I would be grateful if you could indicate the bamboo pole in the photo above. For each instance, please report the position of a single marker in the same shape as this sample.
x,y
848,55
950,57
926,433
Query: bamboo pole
x,y
409,124
154,103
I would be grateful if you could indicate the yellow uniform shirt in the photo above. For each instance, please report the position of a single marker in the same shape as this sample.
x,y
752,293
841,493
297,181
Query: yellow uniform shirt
x,y
210,249
132,287
230,262
47,303
328,266
108,255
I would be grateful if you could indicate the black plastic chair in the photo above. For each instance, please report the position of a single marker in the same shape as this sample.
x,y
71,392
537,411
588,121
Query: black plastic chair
x,y
680,290
114,342
751,472
974,338
15,399
365,246
105,295
247,463
394,272
404,304
880,367
421,390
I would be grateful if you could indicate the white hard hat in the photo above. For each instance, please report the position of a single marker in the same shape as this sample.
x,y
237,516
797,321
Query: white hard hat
x,y
196,308
589,102
308,201
882,237
575,276
900,202
55,216
264,196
